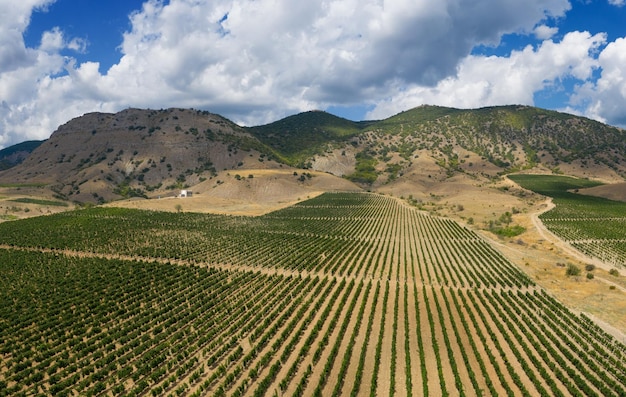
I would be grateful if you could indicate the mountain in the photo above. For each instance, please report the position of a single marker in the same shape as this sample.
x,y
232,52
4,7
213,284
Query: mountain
x,y
511,138
520,136
15,154
296,138
101,157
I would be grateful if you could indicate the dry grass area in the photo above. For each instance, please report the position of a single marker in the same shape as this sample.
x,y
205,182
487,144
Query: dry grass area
x,y
248,192
543,256
13,203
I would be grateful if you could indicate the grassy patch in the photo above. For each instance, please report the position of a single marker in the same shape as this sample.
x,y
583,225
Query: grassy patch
x,y
365,169
40,202
555,186
508,231
20,185
8,217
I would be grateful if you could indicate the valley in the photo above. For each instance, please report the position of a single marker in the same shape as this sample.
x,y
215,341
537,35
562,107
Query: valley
x,y
316,256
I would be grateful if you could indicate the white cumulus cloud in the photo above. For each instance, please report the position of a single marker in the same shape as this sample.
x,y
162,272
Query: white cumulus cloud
x,y
256,61
604,100
544,32
486,81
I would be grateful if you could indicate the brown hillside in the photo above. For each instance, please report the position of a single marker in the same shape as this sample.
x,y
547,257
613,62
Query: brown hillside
x,y
102,157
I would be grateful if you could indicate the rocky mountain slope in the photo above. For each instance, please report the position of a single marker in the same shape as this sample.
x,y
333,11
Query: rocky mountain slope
x,y
103,157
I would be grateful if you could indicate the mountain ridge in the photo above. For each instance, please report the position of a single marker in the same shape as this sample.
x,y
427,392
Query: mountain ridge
x,y
102,157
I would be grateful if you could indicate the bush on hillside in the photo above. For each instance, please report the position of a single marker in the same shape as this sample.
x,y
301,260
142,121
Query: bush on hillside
x,y
572,270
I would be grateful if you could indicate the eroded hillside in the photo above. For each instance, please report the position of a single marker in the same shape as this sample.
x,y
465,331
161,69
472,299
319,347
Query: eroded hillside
x,y
102,157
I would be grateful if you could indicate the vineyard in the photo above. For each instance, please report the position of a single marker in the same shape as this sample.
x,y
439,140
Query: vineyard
x,y
592,225
344,294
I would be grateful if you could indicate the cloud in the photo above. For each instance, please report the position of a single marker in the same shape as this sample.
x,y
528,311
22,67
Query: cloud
x,y
36,93
15,19
618,3
256,61
486,81
604,99
543,32
53,41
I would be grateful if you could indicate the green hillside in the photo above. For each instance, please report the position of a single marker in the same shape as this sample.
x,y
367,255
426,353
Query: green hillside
x,y
511,137
300,136
15,154
156,152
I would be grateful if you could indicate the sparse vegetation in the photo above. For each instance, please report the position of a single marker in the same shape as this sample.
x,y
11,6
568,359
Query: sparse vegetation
x,y
365,171
40,202
509,137
503,228
572,270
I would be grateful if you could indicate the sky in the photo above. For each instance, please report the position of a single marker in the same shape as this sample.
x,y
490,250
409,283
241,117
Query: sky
x,y
256,61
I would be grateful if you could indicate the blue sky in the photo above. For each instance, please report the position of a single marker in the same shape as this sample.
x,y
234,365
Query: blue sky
x,y
257,61
101,23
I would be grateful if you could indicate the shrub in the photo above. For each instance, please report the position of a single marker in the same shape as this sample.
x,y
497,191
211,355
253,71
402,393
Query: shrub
x,y
589,267
509,231
614,272
572,270
590,276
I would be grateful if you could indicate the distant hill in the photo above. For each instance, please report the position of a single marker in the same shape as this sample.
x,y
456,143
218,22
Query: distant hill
x,y
296,138
512,138
15,154
101,157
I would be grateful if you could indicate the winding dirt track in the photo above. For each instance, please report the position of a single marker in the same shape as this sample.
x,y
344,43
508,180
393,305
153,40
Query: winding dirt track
x,y
566,247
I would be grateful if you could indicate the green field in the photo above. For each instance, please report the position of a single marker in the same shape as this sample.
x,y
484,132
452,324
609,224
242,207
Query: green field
x,y
52,203
343,294
593,225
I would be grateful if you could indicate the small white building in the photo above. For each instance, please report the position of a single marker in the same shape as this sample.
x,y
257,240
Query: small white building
x,y
185,193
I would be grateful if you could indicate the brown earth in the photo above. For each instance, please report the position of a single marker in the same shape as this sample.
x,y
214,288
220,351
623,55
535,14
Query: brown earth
x,y
10,209
615,191
250,192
